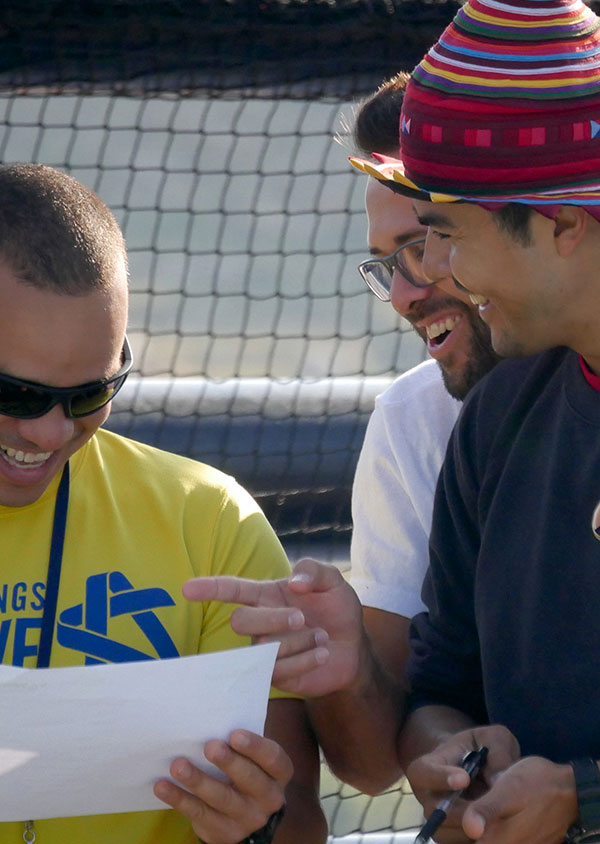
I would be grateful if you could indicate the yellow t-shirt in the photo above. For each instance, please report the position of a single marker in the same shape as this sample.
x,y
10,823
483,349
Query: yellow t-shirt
x,y
140,522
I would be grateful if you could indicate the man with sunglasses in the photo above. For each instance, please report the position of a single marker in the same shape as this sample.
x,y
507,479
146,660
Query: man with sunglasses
x,y
327,657
99,532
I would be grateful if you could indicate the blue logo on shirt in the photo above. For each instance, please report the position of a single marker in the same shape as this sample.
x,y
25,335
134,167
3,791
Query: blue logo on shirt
x,y
84,627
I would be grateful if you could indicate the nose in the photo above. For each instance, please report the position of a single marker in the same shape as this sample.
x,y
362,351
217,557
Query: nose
x,y
436,267
436,260
49,432
403,294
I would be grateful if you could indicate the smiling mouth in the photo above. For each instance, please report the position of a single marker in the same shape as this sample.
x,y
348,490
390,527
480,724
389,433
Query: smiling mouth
x,y
438,332
24,459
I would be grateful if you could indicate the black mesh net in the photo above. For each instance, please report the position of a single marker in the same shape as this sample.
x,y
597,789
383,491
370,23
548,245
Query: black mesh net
x,y
281,48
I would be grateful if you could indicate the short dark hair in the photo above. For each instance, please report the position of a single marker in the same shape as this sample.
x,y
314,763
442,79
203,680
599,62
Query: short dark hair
x,y
377,118
56,233
515,218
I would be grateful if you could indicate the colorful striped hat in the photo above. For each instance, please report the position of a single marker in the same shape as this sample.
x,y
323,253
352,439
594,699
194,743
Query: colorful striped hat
x,y
504,107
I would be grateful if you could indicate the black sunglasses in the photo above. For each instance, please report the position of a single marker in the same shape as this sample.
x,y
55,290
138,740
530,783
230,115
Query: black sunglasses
x,y
28,400
378,273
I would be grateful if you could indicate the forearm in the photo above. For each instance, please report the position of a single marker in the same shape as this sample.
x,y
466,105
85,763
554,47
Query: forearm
x,y
358,727
426,728
303,822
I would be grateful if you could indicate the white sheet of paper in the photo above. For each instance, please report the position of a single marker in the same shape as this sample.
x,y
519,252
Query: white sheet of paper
x,y
91,740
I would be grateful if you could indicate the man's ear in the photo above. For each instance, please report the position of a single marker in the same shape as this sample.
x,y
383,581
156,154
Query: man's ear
x,y
570,227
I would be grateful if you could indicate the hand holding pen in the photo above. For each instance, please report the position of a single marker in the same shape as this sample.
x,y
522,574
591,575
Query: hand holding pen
x,y
472,762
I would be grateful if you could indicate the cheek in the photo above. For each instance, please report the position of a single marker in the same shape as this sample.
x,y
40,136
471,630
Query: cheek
x,y
470,268
7,424
88,425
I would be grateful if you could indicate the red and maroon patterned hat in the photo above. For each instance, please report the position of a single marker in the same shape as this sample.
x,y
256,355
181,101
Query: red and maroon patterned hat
x,y
504,107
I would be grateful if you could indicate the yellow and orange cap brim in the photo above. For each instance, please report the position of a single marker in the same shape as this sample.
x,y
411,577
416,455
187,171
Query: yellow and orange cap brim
x,y
388,169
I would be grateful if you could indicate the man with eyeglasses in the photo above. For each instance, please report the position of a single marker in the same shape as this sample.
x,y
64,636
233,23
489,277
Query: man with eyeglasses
x,y
407,434
325,656
99,532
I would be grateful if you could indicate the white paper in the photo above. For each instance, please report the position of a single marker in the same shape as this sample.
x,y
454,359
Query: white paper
x,y
91,740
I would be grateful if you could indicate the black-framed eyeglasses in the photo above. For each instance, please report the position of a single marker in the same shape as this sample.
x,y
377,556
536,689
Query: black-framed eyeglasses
x,y
407,260
29,400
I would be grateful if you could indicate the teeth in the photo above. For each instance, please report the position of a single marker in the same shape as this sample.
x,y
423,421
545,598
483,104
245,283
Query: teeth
x,y
476,299
27,457
436,328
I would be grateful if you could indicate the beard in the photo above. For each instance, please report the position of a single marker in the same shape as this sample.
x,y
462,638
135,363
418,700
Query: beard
x,y
481,358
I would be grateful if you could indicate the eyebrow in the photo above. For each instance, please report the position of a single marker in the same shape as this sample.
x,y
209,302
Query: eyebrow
x,y
401,239
434,218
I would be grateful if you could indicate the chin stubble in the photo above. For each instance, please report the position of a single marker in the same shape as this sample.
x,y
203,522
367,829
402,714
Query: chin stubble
x,y
482,358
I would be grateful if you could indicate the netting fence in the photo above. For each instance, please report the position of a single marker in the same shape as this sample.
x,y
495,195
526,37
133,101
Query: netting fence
x,y
207,126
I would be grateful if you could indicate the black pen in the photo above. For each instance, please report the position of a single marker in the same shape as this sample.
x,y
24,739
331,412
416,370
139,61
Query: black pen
x,y
472,762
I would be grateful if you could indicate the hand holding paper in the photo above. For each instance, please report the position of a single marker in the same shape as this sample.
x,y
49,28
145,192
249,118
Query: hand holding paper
x,y
132,720
258,771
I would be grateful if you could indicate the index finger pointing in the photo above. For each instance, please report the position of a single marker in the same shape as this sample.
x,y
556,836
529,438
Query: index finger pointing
x,y
234,590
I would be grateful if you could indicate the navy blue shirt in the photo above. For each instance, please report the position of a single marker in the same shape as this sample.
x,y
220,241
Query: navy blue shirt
x,y
512,635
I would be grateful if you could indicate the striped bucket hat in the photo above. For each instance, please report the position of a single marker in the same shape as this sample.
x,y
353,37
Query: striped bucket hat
x,y
504,107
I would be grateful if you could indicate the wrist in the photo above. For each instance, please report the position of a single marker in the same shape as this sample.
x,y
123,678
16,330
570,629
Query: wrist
x,y
567,792
585,782
371,676
362,683
265,834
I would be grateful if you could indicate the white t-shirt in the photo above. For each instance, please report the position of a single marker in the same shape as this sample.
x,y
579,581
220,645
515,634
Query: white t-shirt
x,y
392,496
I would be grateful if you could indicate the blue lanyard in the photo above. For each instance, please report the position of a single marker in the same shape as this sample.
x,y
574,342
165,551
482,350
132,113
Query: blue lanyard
x,y
54,566
52,583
